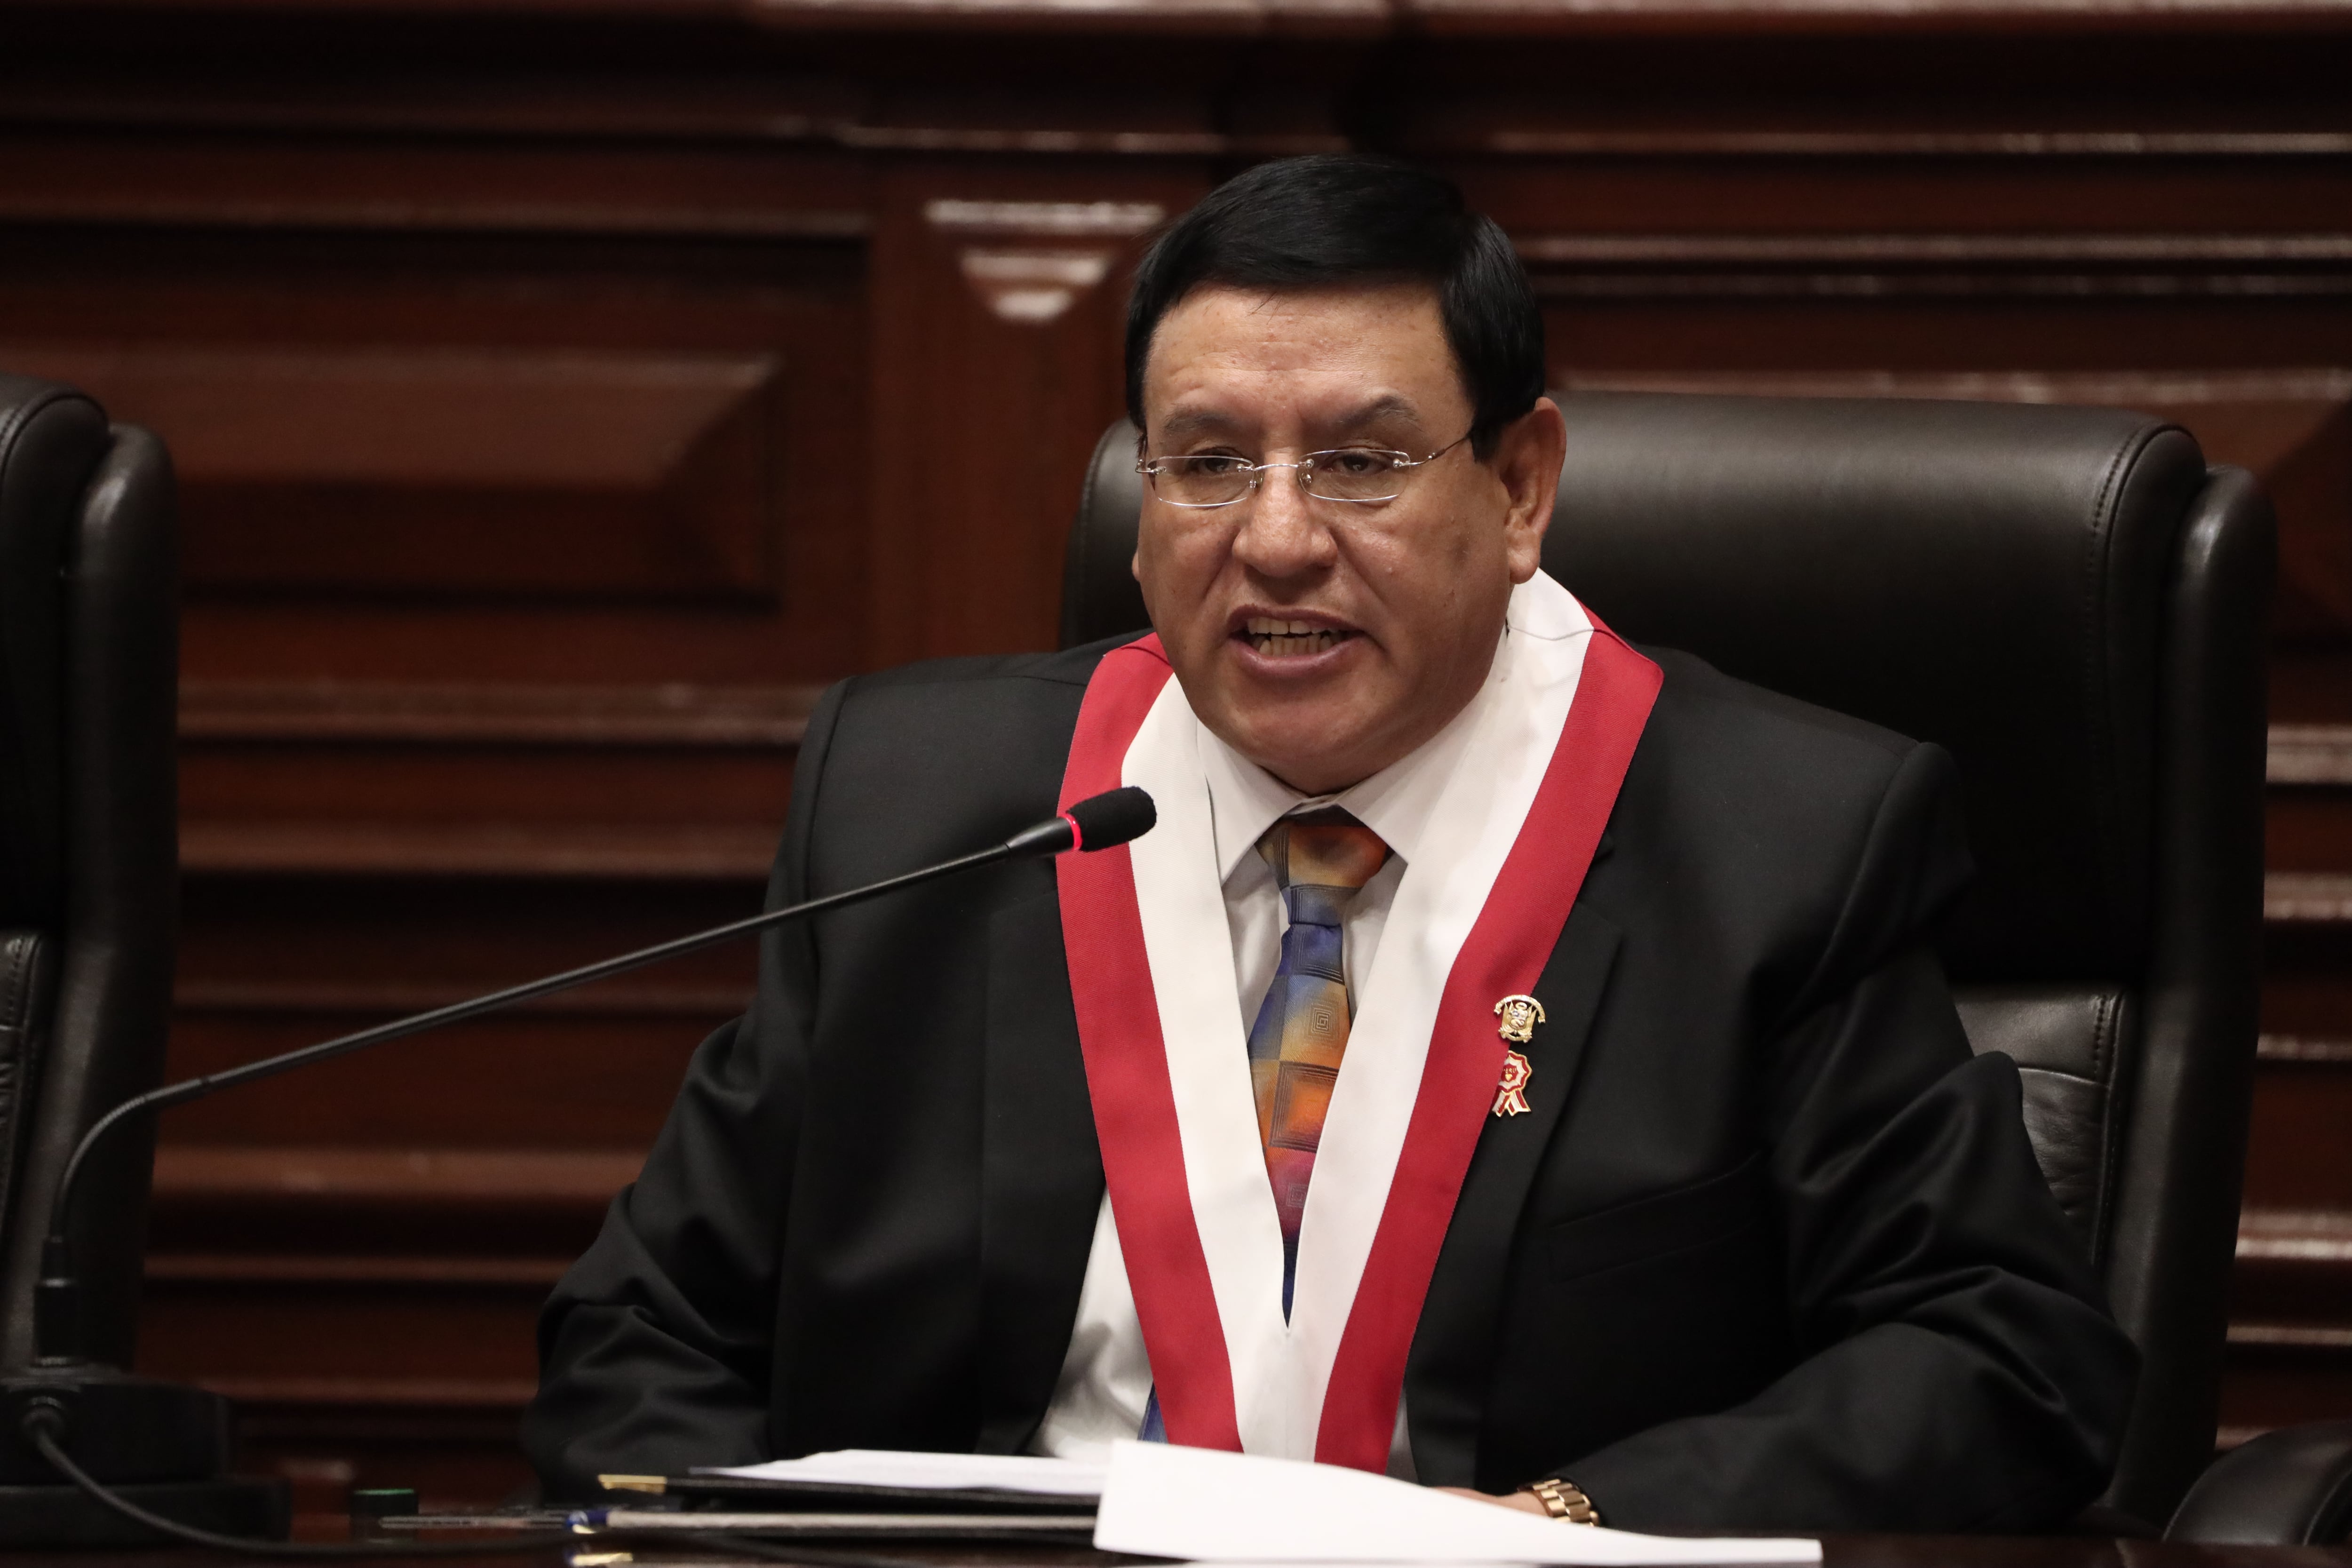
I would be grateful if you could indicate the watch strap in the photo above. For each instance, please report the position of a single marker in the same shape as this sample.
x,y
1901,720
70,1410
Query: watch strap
x,y
1564,1500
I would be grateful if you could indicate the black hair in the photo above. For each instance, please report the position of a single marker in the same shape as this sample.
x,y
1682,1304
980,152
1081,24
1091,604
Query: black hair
x,y
1338,220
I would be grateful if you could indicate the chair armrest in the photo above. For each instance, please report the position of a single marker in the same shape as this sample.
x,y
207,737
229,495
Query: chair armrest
x,y
2288,1488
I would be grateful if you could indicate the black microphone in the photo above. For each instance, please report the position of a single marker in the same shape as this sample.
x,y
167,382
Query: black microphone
x,y
126,1425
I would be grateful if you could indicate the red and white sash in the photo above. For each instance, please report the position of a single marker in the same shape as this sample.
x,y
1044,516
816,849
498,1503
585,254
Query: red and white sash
x,y
1167,1067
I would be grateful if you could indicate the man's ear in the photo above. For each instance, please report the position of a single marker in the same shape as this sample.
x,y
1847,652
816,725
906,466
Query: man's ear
x,y
1527,454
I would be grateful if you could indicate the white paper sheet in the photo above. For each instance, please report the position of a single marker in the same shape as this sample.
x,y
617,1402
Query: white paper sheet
x,y
892,1467
1207,1505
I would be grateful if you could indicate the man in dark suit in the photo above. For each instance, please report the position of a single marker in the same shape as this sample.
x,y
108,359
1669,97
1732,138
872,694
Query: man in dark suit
x,y
1711,1221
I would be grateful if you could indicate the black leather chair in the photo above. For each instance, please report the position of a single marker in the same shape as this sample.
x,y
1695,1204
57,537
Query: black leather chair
x,y
2073,603
88,837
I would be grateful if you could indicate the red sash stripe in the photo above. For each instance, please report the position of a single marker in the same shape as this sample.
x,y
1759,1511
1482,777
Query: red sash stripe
x,y
1127,1074
1503,956
1134,1102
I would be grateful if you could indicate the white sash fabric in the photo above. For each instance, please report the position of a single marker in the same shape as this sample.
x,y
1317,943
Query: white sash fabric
x,y
1463,805
1487,765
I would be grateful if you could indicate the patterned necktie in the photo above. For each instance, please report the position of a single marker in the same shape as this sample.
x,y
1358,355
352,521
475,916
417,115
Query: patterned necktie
x,y
1320,860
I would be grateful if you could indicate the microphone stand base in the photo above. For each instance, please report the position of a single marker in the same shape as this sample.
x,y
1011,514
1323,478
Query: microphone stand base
x,y
163,1445
42,1517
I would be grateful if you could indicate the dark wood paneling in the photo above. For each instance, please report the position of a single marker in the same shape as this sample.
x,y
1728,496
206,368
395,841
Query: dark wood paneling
x,y
993,378
563,394
526,475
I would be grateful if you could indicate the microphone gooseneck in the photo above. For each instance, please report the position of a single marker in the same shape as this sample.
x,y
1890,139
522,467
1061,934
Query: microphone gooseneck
x,y
1099,822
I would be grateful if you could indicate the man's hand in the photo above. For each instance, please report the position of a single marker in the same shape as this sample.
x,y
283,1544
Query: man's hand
x,y
1525,1502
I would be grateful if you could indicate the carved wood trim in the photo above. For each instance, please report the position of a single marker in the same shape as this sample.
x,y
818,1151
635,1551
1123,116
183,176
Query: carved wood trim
x,y
2318,1236
1575,17
2017,142
2306,898
1034,285
533,474
767,718
1816,250
616,999
265,1395
1043,220
687,852
197,1173
2310,754
1373,18
201,1268
1937,266
492,218
2301,1048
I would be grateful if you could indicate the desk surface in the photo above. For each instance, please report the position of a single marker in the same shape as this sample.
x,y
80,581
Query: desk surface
x,y
1838,1552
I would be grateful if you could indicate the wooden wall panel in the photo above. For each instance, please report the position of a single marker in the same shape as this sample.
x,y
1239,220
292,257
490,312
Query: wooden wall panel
x,y
562,398
526,475
993,378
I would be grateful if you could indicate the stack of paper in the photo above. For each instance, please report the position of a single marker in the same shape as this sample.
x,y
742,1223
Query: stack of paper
x,y
1159,1500
1199,1503
932,1472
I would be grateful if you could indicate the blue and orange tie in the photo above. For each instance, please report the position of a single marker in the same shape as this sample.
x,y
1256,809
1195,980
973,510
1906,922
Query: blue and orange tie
x,y
1321,861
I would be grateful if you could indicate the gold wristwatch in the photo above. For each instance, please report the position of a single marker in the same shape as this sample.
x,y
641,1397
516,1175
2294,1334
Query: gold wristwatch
x,y
1564,1500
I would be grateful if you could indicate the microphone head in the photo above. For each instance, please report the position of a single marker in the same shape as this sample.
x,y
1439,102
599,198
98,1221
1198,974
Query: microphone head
x,y
1112,818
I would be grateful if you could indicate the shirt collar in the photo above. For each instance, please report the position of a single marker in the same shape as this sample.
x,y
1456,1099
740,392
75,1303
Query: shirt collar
x,y
1396,802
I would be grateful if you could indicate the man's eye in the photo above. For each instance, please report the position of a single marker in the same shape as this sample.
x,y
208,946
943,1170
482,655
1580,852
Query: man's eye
x,y
1355,464
1216,466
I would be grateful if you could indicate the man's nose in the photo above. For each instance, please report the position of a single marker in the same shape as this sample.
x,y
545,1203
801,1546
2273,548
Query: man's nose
x,y
1281,535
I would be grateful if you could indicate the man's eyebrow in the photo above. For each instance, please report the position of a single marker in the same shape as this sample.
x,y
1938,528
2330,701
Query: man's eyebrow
x,y
1191,422
1382,407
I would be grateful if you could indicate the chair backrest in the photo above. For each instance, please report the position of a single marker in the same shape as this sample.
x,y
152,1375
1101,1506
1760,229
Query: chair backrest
x,y
88,837
2073,603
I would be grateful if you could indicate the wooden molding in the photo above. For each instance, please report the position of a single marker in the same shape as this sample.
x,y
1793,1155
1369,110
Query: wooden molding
x,y
613,999
1966,250
2301,1048
2306,898
1032,287
2018,143
691,852
521,473
1570,18
767,718
2296,1235
229,1269
1043,220
430,1178
1369,18
265,1394
2310,754
2293,1336
498,218
1937,266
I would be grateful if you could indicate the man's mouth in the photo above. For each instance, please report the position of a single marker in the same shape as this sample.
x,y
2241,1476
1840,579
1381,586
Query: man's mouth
x,y
1276,638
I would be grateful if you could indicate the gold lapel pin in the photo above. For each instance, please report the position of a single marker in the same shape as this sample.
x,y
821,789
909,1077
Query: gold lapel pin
x,y
1520,1015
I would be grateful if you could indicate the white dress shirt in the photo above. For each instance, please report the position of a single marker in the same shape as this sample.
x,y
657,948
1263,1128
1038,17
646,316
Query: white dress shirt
x,y
1106,1378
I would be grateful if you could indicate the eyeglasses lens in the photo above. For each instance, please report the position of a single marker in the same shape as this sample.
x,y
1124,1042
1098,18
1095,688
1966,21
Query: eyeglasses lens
x,y
1359,474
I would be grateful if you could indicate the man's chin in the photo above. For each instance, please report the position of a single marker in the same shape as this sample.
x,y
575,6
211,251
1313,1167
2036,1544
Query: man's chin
x,y
1313,751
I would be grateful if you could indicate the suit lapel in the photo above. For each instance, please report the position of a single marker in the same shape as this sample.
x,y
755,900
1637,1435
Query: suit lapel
x,y
1454,1351
1041,1173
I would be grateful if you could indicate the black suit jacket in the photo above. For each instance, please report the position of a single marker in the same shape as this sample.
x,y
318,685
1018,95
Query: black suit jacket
x,y
1771,1252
